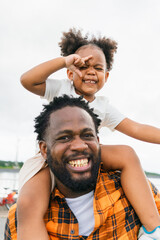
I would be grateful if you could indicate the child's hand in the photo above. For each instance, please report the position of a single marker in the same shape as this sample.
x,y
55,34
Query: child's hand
x,y
74,62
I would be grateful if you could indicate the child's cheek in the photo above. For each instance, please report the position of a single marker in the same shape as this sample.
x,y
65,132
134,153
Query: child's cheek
x,y
83,74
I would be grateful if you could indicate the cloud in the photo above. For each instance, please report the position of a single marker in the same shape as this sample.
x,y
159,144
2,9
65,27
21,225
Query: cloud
x,y
30,32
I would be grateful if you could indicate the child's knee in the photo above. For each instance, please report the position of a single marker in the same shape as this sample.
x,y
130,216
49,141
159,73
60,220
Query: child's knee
x,y
130,156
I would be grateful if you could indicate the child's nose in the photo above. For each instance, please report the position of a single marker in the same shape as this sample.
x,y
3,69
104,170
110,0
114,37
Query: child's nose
x,y
91,71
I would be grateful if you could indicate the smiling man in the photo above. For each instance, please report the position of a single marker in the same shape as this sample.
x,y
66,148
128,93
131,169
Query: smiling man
x,y
72,150
87,202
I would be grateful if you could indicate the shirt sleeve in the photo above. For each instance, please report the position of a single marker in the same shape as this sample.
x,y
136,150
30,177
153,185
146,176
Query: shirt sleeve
x,y
53,87
113,117
109,115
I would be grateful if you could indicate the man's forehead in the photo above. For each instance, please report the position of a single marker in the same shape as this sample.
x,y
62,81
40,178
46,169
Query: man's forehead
x,y
71,115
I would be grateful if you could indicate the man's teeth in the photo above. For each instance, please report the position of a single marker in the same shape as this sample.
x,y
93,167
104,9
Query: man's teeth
x,y
79,163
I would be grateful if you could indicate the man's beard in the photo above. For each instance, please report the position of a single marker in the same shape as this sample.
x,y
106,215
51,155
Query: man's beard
x,y
77,185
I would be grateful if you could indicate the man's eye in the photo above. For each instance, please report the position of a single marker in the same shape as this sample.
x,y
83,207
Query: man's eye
x,y
63,138
88,135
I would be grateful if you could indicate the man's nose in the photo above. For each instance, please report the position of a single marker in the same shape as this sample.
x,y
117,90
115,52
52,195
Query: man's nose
x,y
78,145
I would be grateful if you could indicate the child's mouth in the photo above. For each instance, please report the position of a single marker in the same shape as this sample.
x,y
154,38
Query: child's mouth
x,y
90,81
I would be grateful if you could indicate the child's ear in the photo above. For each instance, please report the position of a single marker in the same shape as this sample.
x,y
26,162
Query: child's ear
x,y
43,149
106,76
70,74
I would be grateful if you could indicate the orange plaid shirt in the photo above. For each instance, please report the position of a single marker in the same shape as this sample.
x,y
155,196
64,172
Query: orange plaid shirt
x,y
114,216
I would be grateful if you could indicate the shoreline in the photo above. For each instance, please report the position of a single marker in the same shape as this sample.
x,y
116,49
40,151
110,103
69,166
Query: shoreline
x,y
16,170
150,175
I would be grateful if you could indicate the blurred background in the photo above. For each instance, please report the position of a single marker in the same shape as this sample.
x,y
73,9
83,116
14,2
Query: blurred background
x,y
30,32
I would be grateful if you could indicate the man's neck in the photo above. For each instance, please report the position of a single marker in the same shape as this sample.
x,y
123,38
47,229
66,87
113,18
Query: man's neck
x,y
67,192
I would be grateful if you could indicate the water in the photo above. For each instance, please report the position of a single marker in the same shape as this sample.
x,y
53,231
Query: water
x,y
9,179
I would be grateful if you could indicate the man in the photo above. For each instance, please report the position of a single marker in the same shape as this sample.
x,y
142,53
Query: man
x,y
88,202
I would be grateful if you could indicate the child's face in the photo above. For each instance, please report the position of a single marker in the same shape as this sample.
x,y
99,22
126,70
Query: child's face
x,y
94,73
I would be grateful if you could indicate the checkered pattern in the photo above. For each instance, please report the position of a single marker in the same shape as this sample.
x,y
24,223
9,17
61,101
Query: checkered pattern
x,y
114,216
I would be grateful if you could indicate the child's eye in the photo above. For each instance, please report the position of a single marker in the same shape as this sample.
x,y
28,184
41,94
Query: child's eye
x,y
99,69
83,67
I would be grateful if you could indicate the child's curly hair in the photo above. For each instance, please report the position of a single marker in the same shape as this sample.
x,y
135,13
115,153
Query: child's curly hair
x,y
72,40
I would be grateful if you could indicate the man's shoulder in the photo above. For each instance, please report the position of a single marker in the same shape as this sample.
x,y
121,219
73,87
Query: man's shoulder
x,y
111,174
11,224
112,179
156,195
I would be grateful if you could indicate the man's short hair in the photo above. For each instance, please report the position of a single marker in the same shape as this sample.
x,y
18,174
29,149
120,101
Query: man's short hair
x,y
42,121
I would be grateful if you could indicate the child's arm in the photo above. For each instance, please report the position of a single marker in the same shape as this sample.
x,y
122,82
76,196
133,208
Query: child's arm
x,y
134,182
34,80
32,204
139,131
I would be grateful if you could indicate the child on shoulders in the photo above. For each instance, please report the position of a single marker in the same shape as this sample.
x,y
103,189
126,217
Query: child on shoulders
x,y
88,62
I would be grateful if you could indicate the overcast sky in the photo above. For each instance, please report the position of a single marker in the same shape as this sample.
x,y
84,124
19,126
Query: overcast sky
x,y
30,32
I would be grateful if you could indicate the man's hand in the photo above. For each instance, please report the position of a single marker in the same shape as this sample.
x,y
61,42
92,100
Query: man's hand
x,y
74,62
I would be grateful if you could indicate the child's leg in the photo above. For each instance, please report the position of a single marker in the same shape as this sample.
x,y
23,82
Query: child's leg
x,y
32,204
134,182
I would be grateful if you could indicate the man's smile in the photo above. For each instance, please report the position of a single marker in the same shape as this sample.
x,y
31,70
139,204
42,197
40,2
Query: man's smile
x,y
81,162
80,165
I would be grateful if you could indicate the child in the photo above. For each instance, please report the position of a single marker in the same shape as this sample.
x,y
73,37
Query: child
x,y
88,63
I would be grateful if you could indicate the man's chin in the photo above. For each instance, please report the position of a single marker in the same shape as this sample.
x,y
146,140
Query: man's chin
x,y
81,184
80,172
76,179
77,182
85,176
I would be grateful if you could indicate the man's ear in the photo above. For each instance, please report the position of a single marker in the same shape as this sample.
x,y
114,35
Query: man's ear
x,y
106,76
70,74
43,149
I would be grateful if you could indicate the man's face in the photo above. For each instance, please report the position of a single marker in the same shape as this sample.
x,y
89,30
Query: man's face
x,y
73,148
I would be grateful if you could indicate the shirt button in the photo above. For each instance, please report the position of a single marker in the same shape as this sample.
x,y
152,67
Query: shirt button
x,y
72,231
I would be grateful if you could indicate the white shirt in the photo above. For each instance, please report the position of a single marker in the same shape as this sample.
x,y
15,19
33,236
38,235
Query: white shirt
x,y
108,114
82,208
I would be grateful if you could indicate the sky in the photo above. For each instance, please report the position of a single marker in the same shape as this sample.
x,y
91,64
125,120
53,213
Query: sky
x,y
30,32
